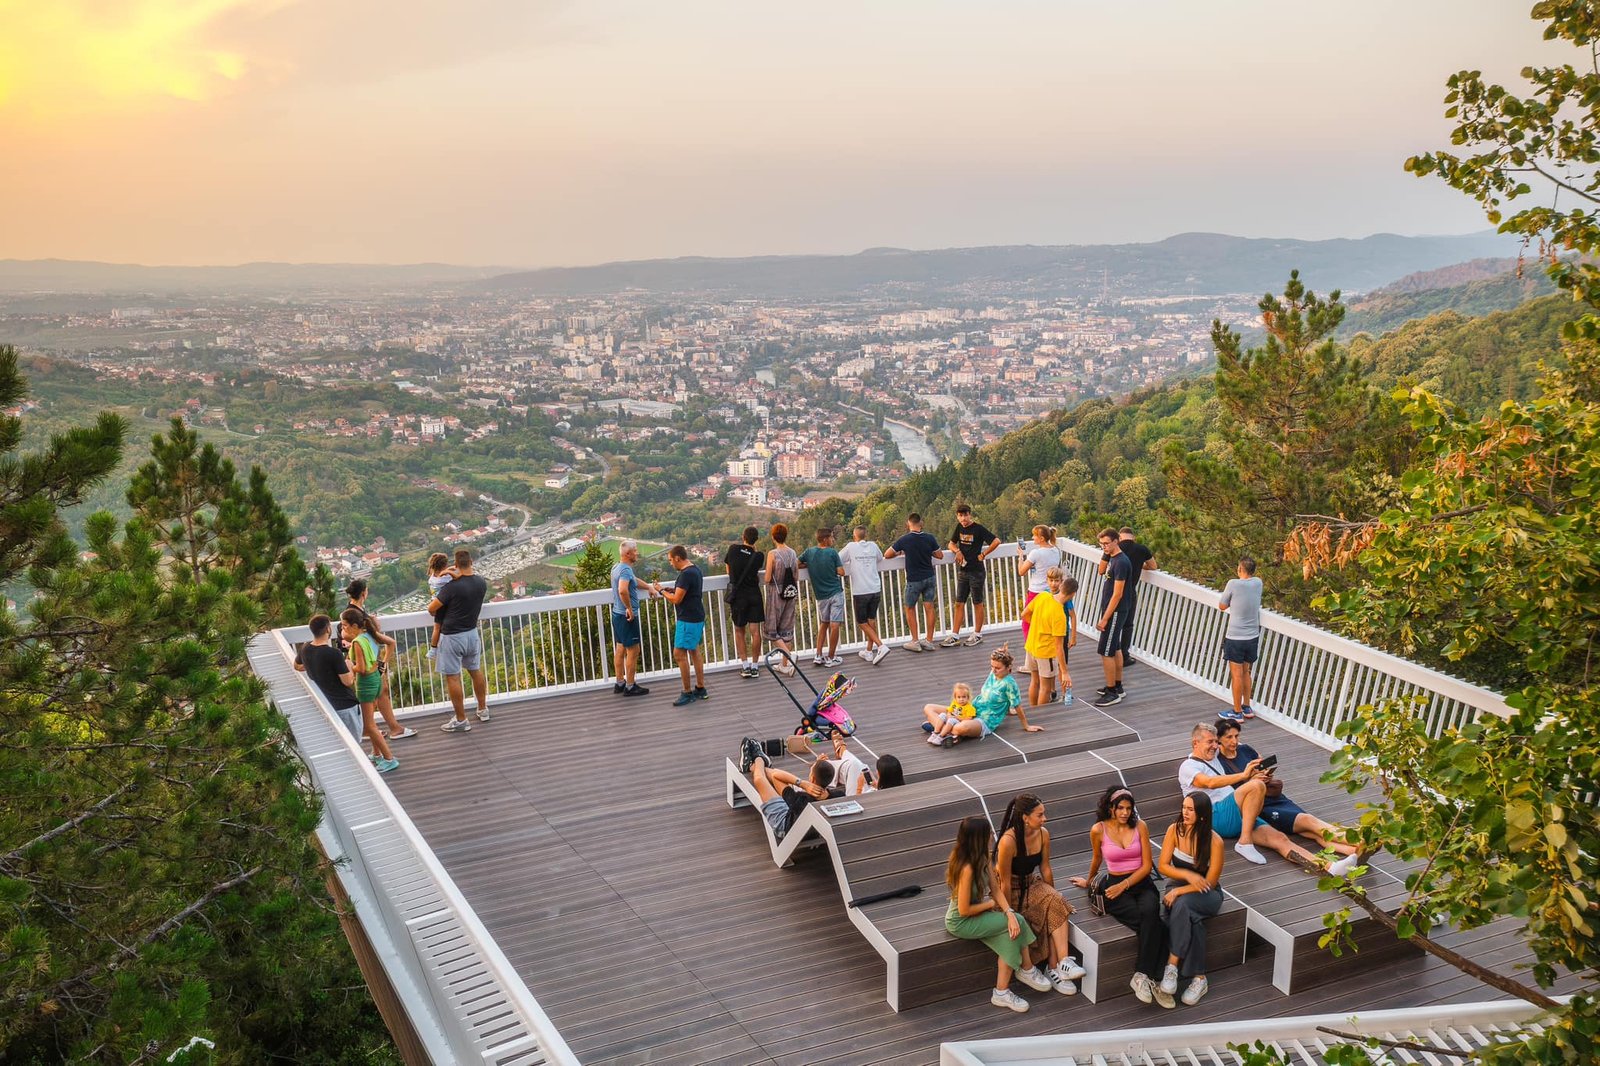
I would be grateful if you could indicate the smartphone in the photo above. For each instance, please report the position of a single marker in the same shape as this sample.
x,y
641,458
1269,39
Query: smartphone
x,y
1269,762
1022,545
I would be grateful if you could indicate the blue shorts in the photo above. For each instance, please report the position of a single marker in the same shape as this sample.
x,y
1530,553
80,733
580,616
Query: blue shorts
x,y
920,591
831,608
624,631
1226,817
686,636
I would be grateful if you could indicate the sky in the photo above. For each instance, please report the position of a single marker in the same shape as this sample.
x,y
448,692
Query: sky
x,y
542,132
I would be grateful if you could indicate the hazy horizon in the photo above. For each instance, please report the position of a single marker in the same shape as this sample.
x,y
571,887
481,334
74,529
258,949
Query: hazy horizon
x,y
534,134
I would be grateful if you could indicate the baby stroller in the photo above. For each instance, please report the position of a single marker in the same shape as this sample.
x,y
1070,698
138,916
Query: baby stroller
x,y
825,716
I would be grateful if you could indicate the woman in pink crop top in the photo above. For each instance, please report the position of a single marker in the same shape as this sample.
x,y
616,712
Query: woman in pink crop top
x,y
1121,839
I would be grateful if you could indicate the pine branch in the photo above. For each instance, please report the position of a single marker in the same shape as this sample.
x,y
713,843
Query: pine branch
x,y
10,857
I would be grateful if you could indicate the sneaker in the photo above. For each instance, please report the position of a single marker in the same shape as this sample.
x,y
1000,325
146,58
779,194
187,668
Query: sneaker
x,y
1169,979
974,640
837,660
1250,854
385,765
1127,662
749,752
1004,997
949,740
1061,984
914,645
819,661
1197,988
1246,712
684,700
1034,979
881,653
950,641
865,655
1228,714
1163,998
1110,699
700,693
482,713
456,726
403,734
618,688
1067,699
928,645
787,668
1142,987
935,739
1070,969
1343,866
1102,690
927,727
636,689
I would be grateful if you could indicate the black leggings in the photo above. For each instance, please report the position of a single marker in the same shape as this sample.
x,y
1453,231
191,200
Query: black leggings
x,y
1139,908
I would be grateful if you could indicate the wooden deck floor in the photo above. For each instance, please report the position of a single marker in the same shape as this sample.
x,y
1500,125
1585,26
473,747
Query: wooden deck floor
x,y
590,833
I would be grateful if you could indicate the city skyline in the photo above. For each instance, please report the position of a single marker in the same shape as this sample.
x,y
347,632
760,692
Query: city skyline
x,y
190,132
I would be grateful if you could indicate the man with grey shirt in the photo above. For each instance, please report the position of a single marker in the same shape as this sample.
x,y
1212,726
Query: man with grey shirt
x,y
1241,598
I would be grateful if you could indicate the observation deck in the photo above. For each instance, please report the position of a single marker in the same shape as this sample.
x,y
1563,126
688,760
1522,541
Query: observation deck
x,y
566,882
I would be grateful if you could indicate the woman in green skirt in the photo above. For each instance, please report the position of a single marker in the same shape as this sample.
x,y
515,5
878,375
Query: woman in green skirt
x,y
364,658
974,914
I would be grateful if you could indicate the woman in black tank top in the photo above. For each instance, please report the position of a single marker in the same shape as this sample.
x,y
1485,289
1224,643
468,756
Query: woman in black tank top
x,y
1023,876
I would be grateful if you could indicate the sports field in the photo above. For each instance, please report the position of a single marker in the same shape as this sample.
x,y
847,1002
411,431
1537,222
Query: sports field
x,y
647,548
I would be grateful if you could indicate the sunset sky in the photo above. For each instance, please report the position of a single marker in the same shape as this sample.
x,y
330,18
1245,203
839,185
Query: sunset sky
x,y
530,133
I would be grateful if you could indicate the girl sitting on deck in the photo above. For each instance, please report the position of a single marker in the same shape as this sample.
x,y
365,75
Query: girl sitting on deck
x,y
1023,878
998,697
977,913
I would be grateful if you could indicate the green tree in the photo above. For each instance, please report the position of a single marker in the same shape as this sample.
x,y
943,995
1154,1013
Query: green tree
x,y
157,873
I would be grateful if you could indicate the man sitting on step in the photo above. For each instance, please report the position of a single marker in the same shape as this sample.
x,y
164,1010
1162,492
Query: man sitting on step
x,y
1236,798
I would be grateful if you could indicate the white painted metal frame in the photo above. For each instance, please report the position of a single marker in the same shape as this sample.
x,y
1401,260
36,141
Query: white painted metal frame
x,y
463,996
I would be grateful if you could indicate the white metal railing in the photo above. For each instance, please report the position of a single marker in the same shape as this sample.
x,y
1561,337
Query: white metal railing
x,y
464,998
1458,1027
1307,679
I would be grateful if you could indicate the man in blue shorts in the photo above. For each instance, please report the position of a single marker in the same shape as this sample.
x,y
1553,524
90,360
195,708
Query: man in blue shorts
x,y
689,602
1236,799
920,550
626,595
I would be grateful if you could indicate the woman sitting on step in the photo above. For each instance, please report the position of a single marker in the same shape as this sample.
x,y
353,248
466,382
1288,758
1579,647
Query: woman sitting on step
x,y
978,913
1023,878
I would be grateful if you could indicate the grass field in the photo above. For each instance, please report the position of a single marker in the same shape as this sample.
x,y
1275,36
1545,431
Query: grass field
x,y
647,548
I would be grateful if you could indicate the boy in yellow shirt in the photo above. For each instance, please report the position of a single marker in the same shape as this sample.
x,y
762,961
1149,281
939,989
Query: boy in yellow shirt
x,y
1047,641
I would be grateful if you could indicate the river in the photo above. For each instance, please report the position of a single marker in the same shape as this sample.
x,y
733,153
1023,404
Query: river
x,y
914,447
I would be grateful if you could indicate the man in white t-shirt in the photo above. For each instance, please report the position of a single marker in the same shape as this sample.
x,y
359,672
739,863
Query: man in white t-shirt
x,y
1236,799
862,559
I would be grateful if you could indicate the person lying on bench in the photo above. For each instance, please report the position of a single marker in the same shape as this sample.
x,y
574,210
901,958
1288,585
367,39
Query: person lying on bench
x,y
1280,812
784,796
998,698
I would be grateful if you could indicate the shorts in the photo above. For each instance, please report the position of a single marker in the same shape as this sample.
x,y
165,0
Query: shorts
x,y
458,651
1111,636
1241,651
625,631
1044,667
745,608
1125,635
779,621
686,636
866,607
831,609
1281,815
776,812
969,586
948,717
1226,818
350,718
369,686
922,591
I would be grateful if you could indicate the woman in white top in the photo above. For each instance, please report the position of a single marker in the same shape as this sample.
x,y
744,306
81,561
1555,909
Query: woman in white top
x,y
1034,564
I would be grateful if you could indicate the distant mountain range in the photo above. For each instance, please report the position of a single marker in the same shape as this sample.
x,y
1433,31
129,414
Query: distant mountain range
x,y
1191,263
1480,287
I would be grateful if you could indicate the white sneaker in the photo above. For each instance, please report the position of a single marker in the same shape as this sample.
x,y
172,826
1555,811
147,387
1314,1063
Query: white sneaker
x,y
1062,984
1169,979
880,654
1196,989
936,740
457,726
1345,865
928,645
1250,854
1164,999
837,660
1070,970
1034,979
1142,988
914,645
1004,997
864,654
950,641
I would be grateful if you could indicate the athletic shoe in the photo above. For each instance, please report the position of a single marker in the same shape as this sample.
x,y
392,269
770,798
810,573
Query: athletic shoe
x,y
455,725
1169,979
1163,998
482,713
749,671
749,752
949,740
1004,997
1102,690
1196,989
837,660
1067,699
700,693
684,700
385,765
865,655
1142,987
1343,866
950,641
879,654
636,689
1246,712
928,645
819,661
1061,984
1250,854
1127,662
974,640
927,727
1228,714
1034,979
618,688
403,734
787,668
1110,699
1069,969
935,739
914,645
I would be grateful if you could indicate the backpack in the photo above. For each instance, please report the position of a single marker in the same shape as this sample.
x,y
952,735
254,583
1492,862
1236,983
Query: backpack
x,y
788,584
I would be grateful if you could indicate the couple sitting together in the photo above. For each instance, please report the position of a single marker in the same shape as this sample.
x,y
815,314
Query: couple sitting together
x,y
785,796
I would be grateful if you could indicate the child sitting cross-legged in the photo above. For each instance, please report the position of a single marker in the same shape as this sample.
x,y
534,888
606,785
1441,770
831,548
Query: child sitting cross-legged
x,y
960,709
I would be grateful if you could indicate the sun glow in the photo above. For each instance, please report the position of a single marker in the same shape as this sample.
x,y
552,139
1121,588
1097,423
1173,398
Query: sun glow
x,y
78,57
